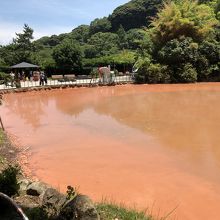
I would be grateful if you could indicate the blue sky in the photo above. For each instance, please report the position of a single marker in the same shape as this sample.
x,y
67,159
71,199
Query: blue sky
x,y
49,17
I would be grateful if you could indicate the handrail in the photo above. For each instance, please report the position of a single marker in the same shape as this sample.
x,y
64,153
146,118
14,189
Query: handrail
x,y
14,205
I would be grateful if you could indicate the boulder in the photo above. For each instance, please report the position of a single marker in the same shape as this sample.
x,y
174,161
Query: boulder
x,y
36,188
52,197
23,183
52,201
28,202
80,208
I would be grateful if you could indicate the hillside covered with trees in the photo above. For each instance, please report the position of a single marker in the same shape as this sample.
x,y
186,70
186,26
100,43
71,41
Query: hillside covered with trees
x,y
168,42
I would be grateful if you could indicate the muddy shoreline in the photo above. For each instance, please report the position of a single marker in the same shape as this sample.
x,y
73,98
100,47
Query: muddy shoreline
x,y
14,154
8,152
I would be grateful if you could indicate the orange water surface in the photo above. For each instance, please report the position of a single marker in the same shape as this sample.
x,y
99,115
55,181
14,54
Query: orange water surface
x,y
148,146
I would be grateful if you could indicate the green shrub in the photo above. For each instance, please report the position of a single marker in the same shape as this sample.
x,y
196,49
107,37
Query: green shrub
x,y
153,73
36,213
71,192
116,72
158,73
178,51
203,69
94,73
142,66
139,78
109,211
211,50
5,78
18,84
187,74
8,180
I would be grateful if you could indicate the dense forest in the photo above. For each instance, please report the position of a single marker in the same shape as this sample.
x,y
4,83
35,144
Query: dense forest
x,y
166,41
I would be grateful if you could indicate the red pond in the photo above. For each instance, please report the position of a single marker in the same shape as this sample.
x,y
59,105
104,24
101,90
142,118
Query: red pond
x,y
155,147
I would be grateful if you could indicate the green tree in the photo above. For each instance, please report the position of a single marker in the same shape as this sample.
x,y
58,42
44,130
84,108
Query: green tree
x,y
146,45
122,38
3,54
217,9
43,58
105,43
157,73
8,55
100,25
208,64
2,62
178,51
135,38
51,41
211,50
134,14
186,74
208,2
183,18
22,45
80,34
124,57
21,48
68,55
90,51
152,73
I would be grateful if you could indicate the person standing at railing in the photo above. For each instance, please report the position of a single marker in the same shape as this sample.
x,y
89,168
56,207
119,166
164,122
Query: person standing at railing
x,y
23,76
12,76
45,78
30,76
41,78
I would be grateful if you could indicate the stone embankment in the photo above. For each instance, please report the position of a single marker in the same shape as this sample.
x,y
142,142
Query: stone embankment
x,y
42,88
57,206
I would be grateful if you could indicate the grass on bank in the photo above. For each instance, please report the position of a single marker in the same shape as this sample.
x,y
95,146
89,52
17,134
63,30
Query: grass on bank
x,y
2,141
110,211
1,136
106,211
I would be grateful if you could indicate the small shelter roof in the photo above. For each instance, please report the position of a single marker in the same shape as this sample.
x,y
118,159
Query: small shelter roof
x,y
24,65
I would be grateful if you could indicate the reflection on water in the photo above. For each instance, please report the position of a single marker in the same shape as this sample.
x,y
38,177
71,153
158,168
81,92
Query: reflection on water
x,y
141,145
26,109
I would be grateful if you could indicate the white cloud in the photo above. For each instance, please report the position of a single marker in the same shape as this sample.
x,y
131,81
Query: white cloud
x,y
38,33
8,30
56,7
48,17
